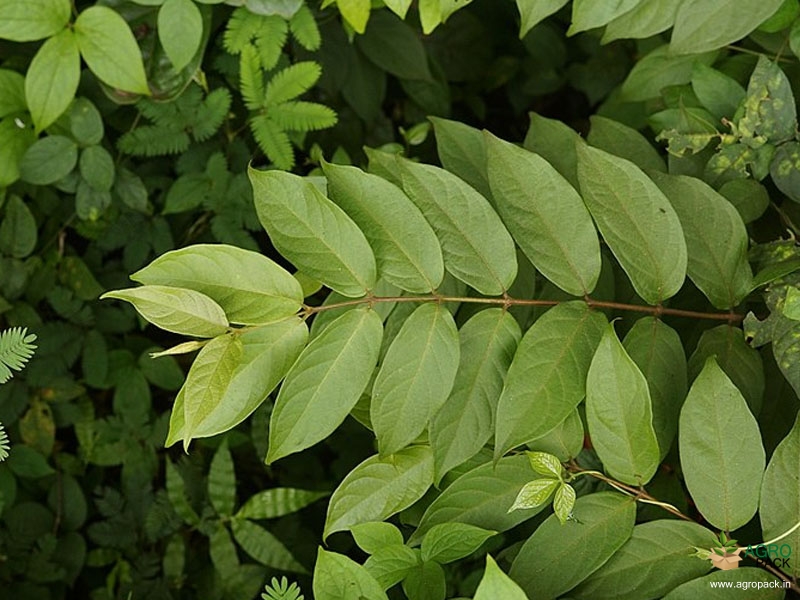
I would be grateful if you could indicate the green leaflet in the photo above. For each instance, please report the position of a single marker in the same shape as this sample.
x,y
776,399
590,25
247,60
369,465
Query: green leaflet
x,y
449,542
637,222
426,581
659,69
325,383
702,26
545,215
222,549
658,353
373,536
701,587
208,378
779,509
52,79
406,249
109,48
648,18
16,142
722,456
415,378
741,363
652,562
619,414
313,233
604,522
716,239
533,12
251,288
625,142
462,150
589,14
465,422
48,159
380,487
175,309
717,92
33,19
180,31
277,502
496,584
337,577
556,143
267,354
264,547
481,497
476,246
394,46
222,481
770,113
390,564
547,378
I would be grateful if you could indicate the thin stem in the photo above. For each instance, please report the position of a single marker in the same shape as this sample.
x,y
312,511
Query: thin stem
x,y
783,535
755,53
507,301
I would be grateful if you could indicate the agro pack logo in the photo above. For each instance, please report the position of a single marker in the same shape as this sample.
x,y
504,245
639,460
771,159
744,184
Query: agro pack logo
x,y
726,553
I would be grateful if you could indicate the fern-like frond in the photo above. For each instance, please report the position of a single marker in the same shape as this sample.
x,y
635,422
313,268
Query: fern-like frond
x,y
151,140
16,349
251,79
242,27
273,141
302,116
292,81
5,446
304,29
270,39
211,113
281,590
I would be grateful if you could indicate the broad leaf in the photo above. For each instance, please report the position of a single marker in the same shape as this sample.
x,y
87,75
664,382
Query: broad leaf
x,y
532,12
406,249
176,309
476,246
313,233
481,497
780,494
52,79
545,215
623,141
17,229
207,381
535,493
277,502
769,109
646,19
180,31
656,559
109,48
589,14
495,584
752,577
250,287
465,422
722,456
658,353
740,362
565,441
33,19
637,222
391,563
371,537
355,12
717,92
449,542
660,69
557,143
619,414
380,487
547,378
426,581
716,239
394,46
48,159
325,383
263,546
462,150
712,24
415,378
267,354
603,523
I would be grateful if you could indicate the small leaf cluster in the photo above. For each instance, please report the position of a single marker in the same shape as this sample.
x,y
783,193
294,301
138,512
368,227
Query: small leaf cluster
x,y
537,492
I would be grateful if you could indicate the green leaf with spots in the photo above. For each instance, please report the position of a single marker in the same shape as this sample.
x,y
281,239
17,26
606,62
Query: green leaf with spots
x,y
785,169
770,113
